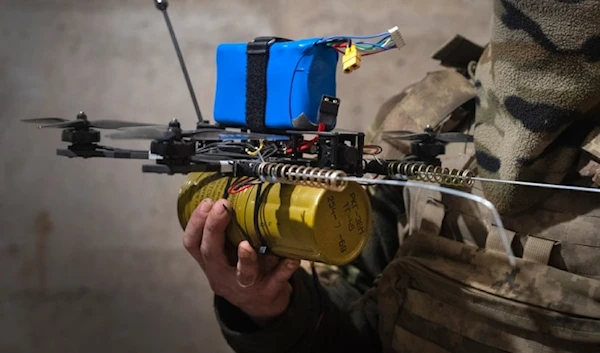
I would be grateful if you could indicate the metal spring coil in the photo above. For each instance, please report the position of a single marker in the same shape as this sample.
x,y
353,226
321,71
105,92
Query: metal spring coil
x,y
431,173
301,175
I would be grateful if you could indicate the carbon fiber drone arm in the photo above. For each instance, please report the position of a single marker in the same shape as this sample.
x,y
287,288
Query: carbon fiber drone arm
x,y
104,152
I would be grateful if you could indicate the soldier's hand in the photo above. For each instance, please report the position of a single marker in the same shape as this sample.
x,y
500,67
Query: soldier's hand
x,y
258,286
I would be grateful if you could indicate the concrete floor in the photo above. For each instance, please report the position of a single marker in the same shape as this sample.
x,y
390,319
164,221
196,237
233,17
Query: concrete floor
x,y
90,251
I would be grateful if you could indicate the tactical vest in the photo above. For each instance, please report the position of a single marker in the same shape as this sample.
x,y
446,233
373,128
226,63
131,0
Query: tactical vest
x,y
451,287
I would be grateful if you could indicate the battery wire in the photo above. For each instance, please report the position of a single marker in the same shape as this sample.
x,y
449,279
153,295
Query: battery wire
x,y
340,42
244,149
382,34
256,149
244,183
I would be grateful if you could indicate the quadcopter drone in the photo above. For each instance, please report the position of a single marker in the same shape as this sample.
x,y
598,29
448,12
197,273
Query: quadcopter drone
x,y
271,94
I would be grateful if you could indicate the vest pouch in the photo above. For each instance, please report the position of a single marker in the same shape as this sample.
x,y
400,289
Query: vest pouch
x,y
454,297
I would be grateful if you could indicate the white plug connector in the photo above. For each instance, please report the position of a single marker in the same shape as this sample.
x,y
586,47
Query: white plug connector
x,y
397,37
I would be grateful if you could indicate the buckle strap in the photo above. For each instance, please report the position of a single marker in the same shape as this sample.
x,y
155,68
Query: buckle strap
x,y
257,53
433,217
493,242
538,249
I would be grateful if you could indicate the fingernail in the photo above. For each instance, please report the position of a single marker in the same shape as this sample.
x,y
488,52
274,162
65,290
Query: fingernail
x,y
292,265
245,254
205,205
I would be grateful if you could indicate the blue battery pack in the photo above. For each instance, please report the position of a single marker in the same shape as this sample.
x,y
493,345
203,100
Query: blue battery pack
x,y
267,84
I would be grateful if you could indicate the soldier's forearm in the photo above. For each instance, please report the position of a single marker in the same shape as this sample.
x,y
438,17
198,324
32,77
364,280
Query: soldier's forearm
x,y
316,321
537,87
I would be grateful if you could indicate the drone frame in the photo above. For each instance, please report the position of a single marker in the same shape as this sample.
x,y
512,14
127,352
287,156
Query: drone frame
x,y
176,152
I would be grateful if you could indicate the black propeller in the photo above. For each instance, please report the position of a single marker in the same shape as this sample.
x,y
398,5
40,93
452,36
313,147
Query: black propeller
x,y
162,134
175,133
82,122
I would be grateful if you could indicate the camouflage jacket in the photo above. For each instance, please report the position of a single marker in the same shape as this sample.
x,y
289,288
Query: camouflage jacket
x,y
446,285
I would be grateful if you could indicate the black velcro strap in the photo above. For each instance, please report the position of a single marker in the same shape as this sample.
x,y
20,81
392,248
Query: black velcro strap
x,y
257,54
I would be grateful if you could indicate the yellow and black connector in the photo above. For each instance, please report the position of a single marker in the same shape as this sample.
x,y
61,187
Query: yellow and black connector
x,y
351,59
354,48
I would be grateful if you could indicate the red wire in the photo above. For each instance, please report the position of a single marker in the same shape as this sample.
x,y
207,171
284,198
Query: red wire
x,y
308,144
339,47
378,149
234,188
245,187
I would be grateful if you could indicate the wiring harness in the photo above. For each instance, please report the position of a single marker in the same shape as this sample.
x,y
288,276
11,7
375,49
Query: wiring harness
x,y
355,47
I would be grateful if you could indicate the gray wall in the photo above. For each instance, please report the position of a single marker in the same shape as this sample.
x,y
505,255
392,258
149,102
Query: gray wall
x,y
90,251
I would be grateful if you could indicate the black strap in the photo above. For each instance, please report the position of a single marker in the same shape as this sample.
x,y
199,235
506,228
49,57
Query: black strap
x,y
257,53
257,202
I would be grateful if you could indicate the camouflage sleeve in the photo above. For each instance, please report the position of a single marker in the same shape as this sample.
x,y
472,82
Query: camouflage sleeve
x,y
538,88
346,299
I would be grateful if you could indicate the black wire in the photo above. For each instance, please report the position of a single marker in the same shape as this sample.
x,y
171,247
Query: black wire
x,y
257,203
226,191
224,150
